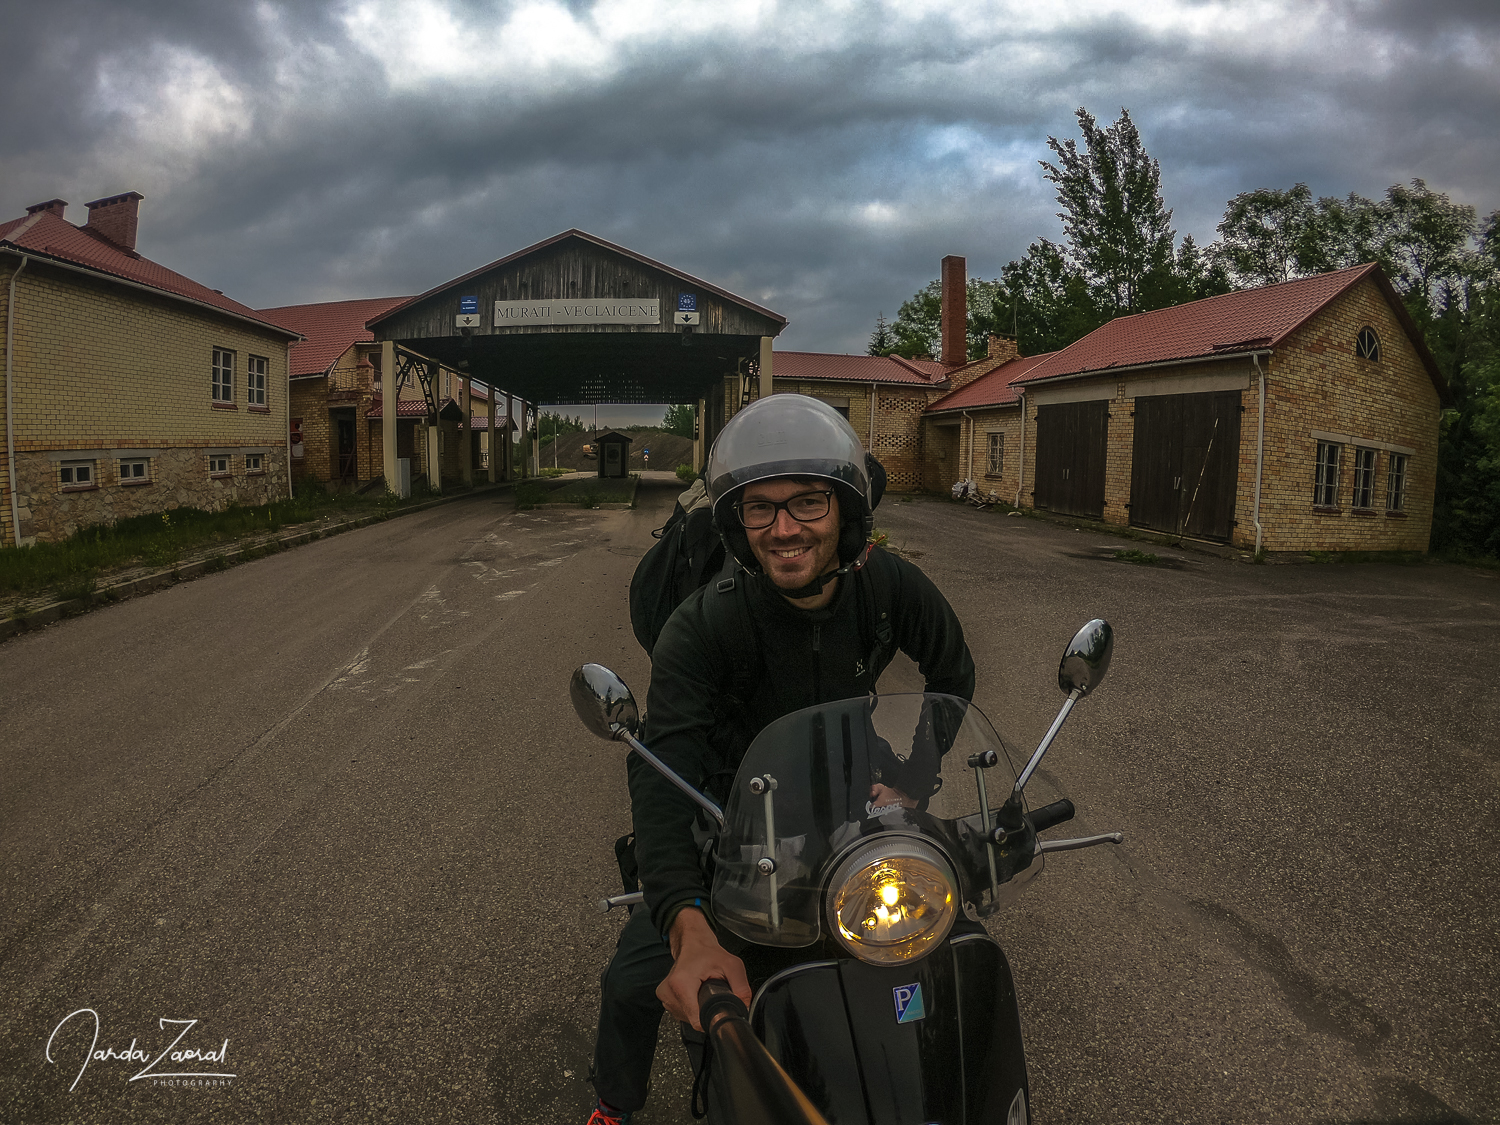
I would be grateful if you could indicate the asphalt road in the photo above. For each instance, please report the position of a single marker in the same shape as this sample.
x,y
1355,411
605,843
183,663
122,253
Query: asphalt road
x,y
333,805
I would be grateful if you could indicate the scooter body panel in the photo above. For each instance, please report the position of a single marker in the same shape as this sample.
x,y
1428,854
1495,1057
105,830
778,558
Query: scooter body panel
x,y
936,1041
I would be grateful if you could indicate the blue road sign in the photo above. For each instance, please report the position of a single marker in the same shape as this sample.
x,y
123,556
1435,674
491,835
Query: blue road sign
x,y
468,305
687,302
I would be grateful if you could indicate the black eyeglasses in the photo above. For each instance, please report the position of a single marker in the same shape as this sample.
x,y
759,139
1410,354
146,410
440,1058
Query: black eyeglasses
x,y
805,507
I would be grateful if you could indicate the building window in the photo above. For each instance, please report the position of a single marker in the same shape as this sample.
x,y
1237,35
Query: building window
x,y
255,463
1326,483
218,465
255,380
1367,344
997,456
136,470
1395,483
223,375
77,474
1364,478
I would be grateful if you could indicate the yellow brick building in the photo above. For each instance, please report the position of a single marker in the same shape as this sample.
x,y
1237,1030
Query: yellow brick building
x,y
1297,417
128,389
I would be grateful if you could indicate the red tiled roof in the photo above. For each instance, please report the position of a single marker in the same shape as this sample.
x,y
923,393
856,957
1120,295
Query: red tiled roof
x,y
1231,324
46,235
331,328
858,368
407,407
994,388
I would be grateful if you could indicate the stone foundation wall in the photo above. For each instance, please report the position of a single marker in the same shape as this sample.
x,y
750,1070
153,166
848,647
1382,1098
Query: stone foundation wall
x,y
51,510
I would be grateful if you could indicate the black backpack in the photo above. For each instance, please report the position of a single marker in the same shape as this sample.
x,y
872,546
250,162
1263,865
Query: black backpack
x,y
688,553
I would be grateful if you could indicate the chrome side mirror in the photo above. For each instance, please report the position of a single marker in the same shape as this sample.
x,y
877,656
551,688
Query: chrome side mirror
x,y
1087,658
603,702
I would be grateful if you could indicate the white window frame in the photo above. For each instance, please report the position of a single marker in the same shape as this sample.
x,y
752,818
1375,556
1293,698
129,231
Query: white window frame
x,y
68,474
1395,482
223,375
1366,461
215,459
255,380
128,467
255,462
1326,475
995,465
1367,344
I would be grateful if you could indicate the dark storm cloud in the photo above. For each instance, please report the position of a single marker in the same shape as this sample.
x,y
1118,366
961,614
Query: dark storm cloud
x,y
821,165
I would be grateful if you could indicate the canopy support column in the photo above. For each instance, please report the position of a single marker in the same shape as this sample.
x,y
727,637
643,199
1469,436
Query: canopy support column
x,y
465,428
765,366
388,415
491,434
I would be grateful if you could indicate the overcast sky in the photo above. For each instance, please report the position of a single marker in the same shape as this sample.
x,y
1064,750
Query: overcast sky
x,y
817,157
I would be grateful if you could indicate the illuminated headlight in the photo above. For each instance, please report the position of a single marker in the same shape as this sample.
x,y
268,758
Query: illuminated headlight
x,y
892,901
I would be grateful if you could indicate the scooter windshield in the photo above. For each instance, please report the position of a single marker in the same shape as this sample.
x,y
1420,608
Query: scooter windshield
x,y
818,782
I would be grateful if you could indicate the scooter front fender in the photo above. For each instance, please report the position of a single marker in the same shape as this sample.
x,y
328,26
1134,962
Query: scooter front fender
x,y
936,1041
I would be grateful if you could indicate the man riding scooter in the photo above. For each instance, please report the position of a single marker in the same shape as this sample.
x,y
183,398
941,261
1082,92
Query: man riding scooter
x,y
806,612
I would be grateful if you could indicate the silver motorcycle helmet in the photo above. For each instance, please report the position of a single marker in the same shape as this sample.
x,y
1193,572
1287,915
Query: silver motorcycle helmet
x,y
789,435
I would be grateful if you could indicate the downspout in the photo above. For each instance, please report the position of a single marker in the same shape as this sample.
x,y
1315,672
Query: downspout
x,y
1021,468
10,402
1260,447
969,464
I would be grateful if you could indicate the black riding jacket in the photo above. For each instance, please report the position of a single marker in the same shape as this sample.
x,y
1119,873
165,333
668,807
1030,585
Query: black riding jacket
x,y
806,657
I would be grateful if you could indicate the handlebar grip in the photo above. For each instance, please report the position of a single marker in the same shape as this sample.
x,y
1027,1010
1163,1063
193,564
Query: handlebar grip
x,y
1049,816
716,997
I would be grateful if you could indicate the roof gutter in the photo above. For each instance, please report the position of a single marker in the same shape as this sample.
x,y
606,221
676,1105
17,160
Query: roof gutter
x,y
1051,379
167,293
10,407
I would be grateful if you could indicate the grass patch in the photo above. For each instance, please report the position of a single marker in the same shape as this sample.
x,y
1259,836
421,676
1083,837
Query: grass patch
x,y
592,493
550,472
1140,558
686,474
1464,558
159,540
1322,556
530,494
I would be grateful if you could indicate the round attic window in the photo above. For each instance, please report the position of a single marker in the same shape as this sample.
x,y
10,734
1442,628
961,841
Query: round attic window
x,y
1367,344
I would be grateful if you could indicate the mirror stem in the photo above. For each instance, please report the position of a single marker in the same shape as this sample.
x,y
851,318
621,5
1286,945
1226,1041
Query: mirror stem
x,y
671,775
1036,759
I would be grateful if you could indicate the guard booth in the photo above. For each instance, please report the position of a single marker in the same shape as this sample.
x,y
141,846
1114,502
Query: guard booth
x,y
614,454
576,320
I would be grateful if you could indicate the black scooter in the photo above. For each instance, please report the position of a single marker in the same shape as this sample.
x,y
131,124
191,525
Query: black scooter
x,y
894,1007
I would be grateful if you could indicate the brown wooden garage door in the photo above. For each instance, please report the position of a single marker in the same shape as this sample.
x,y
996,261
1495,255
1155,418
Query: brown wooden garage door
x,y
1185,466
1071,442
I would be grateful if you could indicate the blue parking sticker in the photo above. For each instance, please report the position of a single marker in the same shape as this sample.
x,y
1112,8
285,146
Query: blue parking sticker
x,y
909,1007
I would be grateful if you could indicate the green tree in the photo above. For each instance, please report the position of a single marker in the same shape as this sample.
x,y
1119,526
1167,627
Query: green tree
x,y
1269,236
680,419
918,323
549,425
1119,230
882,340
1053,302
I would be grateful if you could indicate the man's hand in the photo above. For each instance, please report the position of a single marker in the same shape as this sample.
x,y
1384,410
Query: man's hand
x,y
883,796
697,956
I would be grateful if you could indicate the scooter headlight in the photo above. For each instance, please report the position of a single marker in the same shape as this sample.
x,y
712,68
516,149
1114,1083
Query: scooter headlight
x,y
892,901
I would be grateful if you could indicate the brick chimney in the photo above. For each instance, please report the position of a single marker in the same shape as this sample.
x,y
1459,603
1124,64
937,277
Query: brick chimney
x,y
51,207
114,218
955,312
1004,348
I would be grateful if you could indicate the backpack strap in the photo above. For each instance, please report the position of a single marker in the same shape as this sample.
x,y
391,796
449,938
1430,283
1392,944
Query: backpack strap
x,y
726,610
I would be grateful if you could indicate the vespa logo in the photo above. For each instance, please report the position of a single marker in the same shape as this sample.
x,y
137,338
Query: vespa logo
x,y
909,1006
